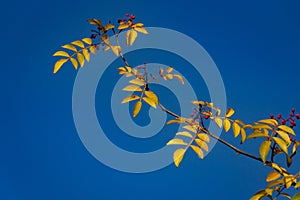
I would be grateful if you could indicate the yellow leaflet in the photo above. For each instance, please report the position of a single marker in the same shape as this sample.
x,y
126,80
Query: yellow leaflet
x,y
272,122
137,81
87,41
152,96
169,76
122,69
198,151
86,54
190,128
287,129
184,133
229,112
204,137
284,136
260,126
169,69
178,155
59,63
227,125
142,30
116,50
149,101
137,25
130,37
218,121
109,26
176,141
178,121
61,53
130,98
161,71
236,129
123,26
95,22
281,144
70,47
93,49
80,59
136,109
256,134
272,176
197,103
202,144
78,43
243,135
74,63
264,150
132,88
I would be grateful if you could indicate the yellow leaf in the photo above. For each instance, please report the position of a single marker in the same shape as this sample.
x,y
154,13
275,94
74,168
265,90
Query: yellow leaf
x,y
169,69
132,88
161,71
137,25
95,22
176,141
284,136
93,49
129,69
80,59
226,125
70,47
218,121
142,30
78,43
169,76
297,185
178,155
287,129
236,129
130,98
197,103
261,126
136,109
152,96
259,195
74,63
198,151
179,78
130,37
202,144
289,180
116,50
272,122
87,41
269,191
109,26
204,137
243,135
264,150
190,128
59,63
272,176
122,69
61,53
256,134
178,121
229,112
137,81
123,26
281,144
149,101
86,54
184,133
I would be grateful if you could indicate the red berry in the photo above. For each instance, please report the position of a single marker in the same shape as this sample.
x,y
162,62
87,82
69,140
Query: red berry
x,y
124,19
297,116
206,116
293,109
279,116
283,122
291,138
127,14
291,114
132,17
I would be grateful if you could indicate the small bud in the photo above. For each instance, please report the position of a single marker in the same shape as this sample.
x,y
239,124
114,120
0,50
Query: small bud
x,y
283,122
93,36
124,19
272,116
127,14
279,116
297,116
291,114
293,110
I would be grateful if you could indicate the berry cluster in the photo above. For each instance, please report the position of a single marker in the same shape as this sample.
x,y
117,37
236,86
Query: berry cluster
x,y
287,121
129,17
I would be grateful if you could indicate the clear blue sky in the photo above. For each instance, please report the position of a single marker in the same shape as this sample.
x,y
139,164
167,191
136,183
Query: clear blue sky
x,y
255,45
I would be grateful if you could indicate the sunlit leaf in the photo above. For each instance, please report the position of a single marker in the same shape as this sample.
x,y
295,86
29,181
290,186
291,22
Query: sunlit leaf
x,y
137,81
285,195
218,121
169,69
184,133
132,88
272,122
70,47
287,129
130,37
169,76
130,98
243,135
59,63
86,54
61,53
177,141
197,103
198,151
257,134
281,143
109,26
80,59
272,176
178,155
284,136
178,121
87,41
74,63
123,26
93,49
149,101
136,109
78,43
296,196
204,137
264,150
142,30
95,22
152,96
161,71
259,195
179,78
202,144
190,128
137,25
261,126
289,180
236,129
297,185
229,112
116,50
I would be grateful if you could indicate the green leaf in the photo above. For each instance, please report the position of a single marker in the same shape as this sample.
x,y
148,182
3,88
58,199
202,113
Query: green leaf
x,y
229,112
178,156
227,125
137,81
264,150
70,47
202,144
198,151
236,129
130,37
281,144
184,133
136,109
130,98
59,63
149,101
272,176
78,43
61,53
132,88
204,137
287,129
177,141
74,63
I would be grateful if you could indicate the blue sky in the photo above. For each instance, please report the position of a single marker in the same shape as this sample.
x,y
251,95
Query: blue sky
x,y
255,46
